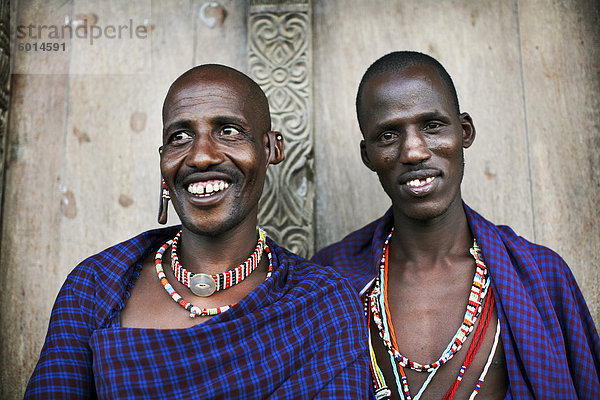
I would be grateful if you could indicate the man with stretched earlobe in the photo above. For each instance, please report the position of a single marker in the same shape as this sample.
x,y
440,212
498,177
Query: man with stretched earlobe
x,y
456,306
211,309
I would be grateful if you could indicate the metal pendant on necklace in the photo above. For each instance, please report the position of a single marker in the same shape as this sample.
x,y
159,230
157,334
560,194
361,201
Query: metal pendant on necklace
x,y
202,285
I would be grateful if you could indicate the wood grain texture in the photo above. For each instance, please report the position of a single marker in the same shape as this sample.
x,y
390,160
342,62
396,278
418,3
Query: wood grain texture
x,y
226,43
4,88
561,64
32,206
31,224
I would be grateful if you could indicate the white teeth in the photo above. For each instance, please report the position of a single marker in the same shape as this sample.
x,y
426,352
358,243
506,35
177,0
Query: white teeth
x,y
201,188
419,182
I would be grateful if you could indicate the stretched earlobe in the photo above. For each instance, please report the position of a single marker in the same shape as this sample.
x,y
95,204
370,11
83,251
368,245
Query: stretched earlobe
x,y
163,204
275,143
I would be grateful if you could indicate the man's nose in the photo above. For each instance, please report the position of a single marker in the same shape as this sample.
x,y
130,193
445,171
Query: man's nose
x,y
414,147
204,152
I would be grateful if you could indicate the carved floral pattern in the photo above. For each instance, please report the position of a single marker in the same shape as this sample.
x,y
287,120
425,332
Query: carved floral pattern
x,y
279,57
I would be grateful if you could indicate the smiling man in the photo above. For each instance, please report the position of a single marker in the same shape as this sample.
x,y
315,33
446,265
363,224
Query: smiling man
x,y
456,306
213,308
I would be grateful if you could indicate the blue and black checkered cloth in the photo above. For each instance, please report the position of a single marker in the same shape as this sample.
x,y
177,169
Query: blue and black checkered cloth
x,y
550,342
299,335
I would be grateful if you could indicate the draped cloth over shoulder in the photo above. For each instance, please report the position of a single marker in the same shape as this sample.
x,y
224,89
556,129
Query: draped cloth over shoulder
x,y
550,342
299,334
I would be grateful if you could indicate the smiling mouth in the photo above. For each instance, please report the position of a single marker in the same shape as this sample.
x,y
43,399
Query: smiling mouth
x,y
207,188
419,183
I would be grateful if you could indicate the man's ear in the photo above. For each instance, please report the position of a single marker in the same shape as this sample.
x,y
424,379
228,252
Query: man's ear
x,y
468,129
274,147
365,156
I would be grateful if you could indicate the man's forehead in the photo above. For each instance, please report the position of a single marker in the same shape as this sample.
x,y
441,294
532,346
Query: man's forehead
x,y
200,91
211,73
199,86
414,82
216,90
204,92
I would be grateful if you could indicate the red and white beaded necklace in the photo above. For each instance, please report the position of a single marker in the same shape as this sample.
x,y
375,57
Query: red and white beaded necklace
x,y
196,311
205,285
376,309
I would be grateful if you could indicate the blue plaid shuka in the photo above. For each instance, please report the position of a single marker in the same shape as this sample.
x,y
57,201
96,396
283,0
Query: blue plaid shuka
x,y
550,342
298,335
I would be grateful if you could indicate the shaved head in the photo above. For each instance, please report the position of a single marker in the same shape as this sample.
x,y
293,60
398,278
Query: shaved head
x,y
217,74
395,63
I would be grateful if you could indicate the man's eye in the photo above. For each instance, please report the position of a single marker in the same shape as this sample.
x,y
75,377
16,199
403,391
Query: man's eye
x,y
387,136
180,136
229,131
432,125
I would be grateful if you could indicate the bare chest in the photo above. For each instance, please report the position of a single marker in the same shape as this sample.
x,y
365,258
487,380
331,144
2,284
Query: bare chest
x,y
494,386
425,320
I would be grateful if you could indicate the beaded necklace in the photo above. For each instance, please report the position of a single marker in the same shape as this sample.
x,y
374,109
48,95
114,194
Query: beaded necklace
x,y
205,285
195,311
376,309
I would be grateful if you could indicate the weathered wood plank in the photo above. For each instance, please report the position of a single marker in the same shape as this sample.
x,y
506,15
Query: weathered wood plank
x,y
225,43
4,88
561,64
32,204
109,146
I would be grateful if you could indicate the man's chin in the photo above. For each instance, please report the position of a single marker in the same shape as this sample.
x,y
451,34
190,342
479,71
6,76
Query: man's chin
x,y
214,223
424,212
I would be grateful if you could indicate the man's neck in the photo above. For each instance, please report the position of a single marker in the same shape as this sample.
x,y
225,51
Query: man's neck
x,y
213,254
426,242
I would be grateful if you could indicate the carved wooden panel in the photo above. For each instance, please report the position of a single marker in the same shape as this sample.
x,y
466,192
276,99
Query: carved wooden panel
x,y
280,61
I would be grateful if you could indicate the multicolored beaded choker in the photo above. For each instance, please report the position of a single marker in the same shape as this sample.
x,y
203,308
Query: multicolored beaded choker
x,y
376,310
205,285
194,311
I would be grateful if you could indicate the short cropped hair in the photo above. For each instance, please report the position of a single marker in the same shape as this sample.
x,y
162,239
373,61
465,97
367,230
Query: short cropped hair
x,y
254,92
396,62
